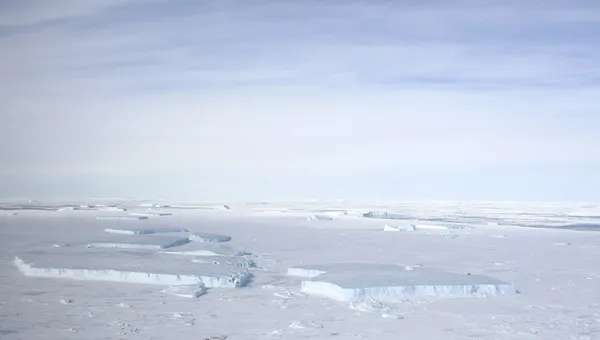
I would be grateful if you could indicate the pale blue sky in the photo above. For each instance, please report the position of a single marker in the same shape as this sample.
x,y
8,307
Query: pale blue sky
x,y
255,100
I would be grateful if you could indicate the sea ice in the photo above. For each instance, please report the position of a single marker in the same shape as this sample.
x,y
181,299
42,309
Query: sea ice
x,y
389,283
141,242
141,231
129,267
205,237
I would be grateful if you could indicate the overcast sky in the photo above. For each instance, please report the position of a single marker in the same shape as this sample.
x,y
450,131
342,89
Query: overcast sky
x,y
266,100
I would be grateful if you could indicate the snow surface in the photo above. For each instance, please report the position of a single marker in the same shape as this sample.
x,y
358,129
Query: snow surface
x,y
141,231
391,283
140,242
555,268
205,237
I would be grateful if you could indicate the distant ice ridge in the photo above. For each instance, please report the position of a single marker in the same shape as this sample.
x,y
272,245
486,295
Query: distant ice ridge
x,y
142,231
410,227
141,242
206,249
122,217
236,261
204,237
319,218
389,283
217,280
151,213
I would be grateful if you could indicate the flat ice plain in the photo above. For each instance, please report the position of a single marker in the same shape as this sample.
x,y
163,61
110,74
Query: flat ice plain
x,y
438,271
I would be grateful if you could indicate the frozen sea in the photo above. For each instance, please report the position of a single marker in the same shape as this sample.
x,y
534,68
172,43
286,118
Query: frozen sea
x,y
424,270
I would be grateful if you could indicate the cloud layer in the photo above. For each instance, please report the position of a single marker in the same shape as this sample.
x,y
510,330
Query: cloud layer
x,y
269,99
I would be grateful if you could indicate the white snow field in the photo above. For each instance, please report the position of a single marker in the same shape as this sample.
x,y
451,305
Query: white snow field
x,y
508,271
143,241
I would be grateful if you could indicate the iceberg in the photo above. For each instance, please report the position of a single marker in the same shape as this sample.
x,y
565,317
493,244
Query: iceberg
x,y
157,213
130,268
205,237
141,242
143,231
390,283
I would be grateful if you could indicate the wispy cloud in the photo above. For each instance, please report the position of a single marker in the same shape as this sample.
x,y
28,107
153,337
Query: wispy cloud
x,y
297,92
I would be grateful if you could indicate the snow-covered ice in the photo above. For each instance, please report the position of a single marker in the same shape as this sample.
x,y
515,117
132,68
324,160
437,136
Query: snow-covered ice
x,y
140,242
206,237
381,282
141,231
129,267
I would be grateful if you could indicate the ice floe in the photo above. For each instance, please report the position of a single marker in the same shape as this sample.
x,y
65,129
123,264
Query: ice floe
x,y
127,267
383,282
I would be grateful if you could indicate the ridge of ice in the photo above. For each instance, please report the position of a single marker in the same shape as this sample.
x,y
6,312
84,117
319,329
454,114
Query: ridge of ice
x,y
141,242
220,279
144,231
315,217
206,249
206,237
151,213
236,261
122,217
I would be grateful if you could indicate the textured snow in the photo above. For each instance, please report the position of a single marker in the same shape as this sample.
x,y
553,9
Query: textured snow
x,y
381,282
129,267
205,237
141,231
141,242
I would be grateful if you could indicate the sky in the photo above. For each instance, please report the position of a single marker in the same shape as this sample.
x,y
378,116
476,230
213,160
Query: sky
x,y
282,100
